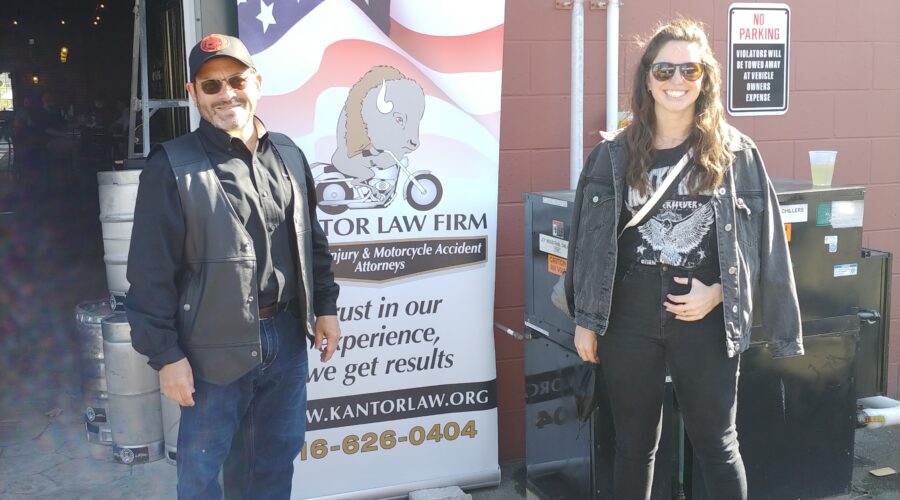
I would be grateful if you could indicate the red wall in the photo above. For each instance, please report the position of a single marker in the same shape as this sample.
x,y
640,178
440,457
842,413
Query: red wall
x,y
845,95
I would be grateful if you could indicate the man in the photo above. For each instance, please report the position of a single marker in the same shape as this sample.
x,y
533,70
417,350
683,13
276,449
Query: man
x,y
229,268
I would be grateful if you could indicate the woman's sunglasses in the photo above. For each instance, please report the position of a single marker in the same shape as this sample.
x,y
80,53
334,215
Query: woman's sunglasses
x,y
214,86
663,71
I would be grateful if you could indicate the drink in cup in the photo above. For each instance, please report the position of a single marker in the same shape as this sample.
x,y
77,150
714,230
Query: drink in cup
x,y
821,164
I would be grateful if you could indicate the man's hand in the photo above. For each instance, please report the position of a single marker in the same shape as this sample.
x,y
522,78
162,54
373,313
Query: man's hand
x,y
697,303
176,381
327,328
586,344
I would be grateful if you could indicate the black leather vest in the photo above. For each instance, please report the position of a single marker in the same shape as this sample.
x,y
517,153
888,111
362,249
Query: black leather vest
x,y
218,315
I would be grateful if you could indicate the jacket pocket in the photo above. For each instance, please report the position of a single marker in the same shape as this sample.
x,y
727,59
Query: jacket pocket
x,y
749,207
598,206
187,302
222,312
598,193
749,203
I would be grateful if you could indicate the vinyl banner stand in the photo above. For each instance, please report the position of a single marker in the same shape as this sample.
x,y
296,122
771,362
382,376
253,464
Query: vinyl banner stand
x,y
396,104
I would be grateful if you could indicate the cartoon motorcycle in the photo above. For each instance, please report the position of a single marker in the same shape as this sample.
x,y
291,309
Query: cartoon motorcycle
x,y
335,192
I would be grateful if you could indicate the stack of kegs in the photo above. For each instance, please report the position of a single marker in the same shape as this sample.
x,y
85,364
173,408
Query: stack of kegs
x,y
134,401
118,194
88,317
124,408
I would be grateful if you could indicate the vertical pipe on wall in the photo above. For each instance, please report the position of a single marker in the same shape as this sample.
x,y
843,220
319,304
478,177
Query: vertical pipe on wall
x,y
145,83
202,17
135,67
576,147
189,9
612,65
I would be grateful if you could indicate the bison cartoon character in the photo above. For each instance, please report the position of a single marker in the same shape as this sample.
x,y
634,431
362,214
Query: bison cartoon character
x,y
379,123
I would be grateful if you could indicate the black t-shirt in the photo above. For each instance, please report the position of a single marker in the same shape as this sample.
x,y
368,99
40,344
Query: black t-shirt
x,y
682,232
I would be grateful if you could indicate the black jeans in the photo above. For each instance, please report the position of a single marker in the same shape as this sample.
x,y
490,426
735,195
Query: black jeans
x,y
641,342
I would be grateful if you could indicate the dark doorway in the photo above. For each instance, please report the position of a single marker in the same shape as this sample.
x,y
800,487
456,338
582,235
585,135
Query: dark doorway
x,y
69,65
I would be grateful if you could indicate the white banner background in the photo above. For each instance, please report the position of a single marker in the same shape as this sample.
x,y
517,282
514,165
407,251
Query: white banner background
x,y
440,426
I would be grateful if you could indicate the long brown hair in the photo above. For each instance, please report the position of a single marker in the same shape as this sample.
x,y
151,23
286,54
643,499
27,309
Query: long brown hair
x,y
707,138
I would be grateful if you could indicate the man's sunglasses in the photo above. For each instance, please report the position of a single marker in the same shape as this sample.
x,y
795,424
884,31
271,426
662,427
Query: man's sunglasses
x,y
214,86
663,71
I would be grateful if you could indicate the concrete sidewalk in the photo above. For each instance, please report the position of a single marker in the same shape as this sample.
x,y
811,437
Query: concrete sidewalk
x,y
43,456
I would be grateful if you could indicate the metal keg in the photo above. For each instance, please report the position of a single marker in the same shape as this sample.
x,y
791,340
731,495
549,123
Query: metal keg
x,y
88,317
118,194
135,413
171,417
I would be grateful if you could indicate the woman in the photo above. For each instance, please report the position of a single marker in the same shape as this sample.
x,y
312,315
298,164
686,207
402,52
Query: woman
x,y
675,292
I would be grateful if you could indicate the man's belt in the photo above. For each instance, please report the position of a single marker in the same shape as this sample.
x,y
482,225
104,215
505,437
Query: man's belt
x,y
269,312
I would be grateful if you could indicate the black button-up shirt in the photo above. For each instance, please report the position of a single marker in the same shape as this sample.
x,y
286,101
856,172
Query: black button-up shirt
x,y
258,189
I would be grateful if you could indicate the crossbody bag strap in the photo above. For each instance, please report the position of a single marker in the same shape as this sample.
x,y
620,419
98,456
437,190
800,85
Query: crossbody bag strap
x,y
662,193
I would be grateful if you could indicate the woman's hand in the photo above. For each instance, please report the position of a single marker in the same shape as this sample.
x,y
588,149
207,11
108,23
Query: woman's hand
x,y
586,344
697,303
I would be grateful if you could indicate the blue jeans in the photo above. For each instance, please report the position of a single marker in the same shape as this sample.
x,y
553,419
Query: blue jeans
x,y
642,341
256,423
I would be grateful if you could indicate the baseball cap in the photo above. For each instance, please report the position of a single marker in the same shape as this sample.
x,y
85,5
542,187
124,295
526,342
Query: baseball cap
x,y
216,45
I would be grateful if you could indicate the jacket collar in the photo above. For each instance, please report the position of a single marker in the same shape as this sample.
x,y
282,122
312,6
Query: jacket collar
x,y
610,136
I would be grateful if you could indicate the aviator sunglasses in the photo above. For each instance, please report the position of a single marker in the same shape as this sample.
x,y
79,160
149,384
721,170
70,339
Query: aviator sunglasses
x,y
237,82
690,71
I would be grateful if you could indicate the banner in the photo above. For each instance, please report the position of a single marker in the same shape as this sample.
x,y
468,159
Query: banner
x,y
396,104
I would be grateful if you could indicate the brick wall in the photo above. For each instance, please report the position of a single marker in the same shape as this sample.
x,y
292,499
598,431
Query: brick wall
x,y
845,95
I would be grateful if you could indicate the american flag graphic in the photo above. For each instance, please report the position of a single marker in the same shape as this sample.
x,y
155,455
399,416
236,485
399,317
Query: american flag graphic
x,y
310,52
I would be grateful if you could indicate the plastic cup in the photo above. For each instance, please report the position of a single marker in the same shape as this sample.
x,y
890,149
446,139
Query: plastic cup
x,y
821,164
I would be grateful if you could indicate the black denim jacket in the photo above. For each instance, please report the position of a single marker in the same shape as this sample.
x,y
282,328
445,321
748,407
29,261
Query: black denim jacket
x,y
753,254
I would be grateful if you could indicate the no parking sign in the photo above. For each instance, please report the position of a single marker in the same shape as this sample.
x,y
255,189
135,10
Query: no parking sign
x,y
758,57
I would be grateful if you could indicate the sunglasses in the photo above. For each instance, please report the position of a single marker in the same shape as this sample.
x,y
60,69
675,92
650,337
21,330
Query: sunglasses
x,y
214,86
663,71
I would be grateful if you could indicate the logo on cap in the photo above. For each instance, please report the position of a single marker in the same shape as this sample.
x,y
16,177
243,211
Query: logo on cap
x,y
213,43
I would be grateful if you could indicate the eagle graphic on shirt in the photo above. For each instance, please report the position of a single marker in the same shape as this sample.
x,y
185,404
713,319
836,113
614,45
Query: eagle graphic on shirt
x,y
676,234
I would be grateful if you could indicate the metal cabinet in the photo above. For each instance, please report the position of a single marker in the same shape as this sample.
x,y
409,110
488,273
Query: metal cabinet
x,y
874,314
